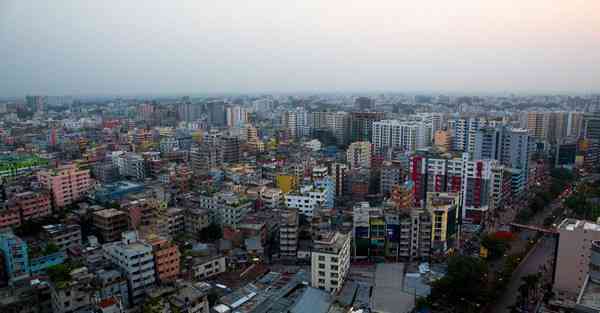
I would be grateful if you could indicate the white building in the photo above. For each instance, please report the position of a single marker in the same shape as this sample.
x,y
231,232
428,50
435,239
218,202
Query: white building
x,y
330,260
136,260
358,154
309,199
204,268
464,132
408,135
296,122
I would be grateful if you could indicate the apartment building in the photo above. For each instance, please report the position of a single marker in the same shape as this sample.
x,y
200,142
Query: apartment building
x,y
575,239
73,295
307,200
166,259
67,183
359,154
444,209
195,220
330,260
206,267
31,204
288,234
109,224
136,259
64,236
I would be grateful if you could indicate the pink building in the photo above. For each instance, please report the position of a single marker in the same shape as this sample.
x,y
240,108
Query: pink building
x,y
32,204
24,206
9,216
67,183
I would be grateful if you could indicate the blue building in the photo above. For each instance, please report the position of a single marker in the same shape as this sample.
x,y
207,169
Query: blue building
x,y
40,264
16,259
112,192
328,186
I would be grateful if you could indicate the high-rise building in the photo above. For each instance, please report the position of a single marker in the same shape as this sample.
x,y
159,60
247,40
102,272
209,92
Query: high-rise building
x,y
205,157
558,123
444,208
216,113
537,124
335,124
391,175
67,183
296,122
237,116
442,139
406,135
361,125
358,154
231,149
575,124
591,123
288,234
575,239
330,261
135,259
463,133
512,147
364,103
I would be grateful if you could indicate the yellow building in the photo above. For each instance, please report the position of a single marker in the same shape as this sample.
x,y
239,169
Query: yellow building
x,y
443,207
442,139
286,183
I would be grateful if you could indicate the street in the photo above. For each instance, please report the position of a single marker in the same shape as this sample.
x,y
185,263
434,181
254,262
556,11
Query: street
x,y
539,256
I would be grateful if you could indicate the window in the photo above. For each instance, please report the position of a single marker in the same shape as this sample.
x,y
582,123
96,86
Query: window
x,y
322,265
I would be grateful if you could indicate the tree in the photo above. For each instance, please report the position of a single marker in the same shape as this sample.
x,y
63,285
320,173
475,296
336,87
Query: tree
x,y
496,246
211,233
466,279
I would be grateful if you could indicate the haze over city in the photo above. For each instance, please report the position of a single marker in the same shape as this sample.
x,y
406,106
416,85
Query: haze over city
x,y
315,156
182,47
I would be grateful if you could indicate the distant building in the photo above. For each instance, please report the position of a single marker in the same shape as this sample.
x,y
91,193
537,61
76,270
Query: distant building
x,y
442,139
359,154
361,125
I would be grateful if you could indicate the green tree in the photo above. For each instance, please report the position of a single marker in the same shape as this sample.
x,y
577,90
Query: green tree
x,y
495,246
211,233
464,286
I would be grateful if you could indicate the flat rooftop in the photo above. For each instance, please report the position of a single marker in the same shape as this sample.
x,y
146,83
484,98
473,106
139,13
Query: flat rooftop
x,y
108,213
388,296
570,224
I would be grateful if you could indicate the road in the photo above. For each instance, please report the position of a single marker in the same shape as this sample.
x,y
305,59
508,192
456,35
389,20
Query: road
x,y
539,256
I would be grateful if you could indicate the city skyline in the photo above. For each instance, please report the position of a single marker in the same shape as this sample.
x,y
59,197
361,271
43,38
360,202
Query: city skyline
x,y
313,47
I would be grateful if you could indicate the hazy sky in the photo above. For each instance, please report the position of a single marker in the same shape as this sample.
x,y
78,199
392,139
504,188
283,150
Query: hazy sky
x,y
199,46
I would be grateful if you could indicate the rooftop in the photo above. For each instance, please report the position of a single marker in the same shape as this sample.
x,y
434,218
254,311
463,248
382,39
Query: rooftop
x,y
108,213
569,224
387,293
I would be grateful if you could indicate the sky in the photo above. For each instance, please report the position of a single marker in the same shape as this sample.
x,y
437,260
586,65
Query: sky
x,y
115,47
